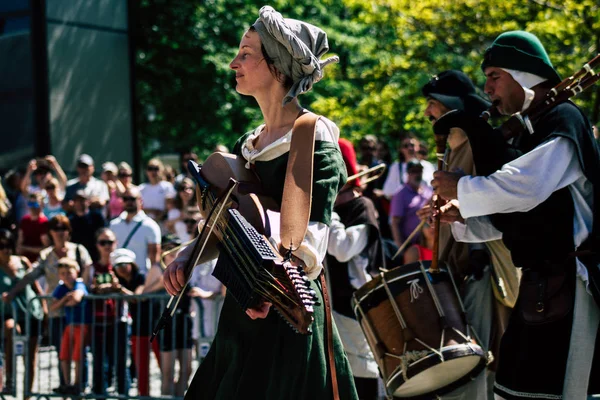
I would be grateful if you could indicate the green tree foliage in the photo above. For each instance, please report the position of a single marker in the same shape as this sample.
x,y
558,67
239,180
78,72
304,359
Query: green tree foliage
x,y
388,49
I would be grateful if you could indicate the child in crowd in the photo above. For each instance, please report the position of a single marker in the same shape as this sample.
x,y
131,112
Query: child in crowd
x,y
132,283
33,229
69,295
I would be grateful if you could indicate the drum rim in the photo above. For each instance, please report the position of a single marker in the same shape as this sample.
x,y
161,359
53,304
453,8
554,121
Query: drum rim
x,y
357,301
457,351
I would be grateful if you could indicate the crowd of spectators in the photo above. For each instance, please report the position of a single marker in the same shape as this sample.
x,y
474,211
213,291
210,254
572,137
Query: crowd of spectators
x,y
104,236
92,246
402,190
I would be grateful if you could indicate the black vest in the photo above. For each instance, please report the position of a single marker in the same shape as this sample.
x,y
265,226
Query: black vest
x,y
355,212
545,233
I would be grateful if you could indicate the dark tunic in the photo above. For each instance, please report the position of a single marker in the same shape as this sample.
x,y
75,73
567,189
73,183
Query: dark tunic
x,y
265,358
357,211
533,354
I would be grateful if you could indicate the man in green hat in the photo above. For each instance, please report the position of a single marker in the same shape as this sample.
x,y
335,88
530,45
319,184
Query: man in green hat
x,y
543,205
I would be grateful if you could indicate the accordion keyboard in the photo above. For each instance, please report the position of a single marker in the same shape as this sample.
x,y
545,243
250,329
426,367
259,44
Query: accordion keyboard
x,y
261,247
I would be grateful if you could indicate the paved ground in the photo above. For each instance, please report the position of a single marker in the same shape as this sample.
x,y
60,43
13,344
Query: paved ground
x,y
47,377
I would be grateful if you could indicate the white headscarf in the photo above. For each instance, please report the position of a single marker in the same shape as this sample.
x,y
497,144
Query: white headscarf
x,y
295,47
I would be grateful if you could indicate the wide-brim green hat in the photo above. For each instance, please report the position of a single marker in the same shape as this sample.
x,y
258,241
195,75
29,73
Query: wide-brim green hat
x,y
521,51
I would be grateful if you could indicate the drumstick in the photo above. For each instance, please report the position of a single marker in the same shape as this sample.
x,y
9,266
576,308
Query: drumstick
x,y
408,239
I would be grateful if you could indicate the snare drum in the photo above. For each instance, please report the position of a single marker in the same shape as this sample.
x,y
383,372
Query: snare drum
x,y
416,326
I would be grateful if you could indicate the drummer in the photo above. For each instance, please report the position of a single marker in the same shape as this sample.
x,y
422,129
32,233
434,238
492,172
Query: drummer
x,y
470,262
354,252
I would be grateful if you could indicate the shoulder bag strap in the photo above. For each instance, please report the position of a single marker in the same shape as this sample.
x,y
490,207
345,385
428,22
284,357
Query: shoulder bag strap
x,y
126,242
78,257
297,189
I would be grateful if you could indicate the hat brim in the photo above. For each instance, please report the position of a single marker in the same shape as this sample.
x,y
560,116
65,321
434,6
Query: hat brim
x,y
450,102
123,260
475,105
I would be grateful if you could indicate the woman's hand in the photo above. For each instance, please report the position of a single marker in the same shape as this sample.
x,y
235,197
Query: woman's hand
x,y
115,285
260,311
174,277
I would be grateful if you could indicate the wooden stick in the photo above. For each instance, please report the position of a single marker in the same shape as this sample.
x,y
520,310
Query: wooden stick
x,y
407,241
440,144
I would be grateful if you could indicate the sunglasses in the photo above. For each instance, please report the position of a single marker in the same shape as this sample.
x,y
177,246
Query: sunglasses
x,y
5,246
186,189
123,175
105,242
152,168
59,229
82,165
121,265
50,187
190,221
33,204
407,145
129,198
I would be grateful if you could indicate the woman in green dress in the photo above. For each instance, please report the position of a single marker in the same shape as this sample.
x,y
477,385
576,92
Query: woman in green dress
x,y
255,354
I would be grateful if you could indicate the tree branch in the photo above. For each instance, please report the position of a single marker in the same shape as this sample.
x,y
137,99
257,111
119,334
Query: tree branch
x,y
547,4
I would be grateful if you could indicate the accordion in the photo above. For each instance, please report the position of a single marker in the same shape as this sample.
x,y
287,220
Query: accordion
x,y
249,266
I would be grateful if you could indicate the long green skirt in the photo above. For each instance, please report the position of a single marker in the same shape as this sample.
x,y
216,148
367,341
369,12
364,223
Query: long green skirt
x,y
266,359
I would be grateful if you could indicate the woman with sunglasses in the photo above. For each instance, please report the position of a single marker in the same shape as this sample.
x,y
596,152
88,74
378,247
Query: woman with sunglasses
x,y
47,266
156,191
55,195
15,312
176,216
109,328
117,188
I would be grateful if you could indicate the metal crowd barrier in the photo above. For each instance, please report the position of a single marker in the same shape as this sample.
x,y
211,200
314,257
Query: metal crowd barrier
x,y
108,367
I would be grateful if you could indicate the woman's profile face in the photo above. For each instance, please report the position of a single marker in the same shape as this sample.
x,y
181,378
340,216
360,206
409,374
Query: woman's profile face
x,y
252,74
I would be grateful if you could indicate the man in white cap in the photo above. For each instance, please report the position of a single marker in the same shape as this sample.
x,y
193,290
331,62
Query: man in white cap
x,y
93,188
